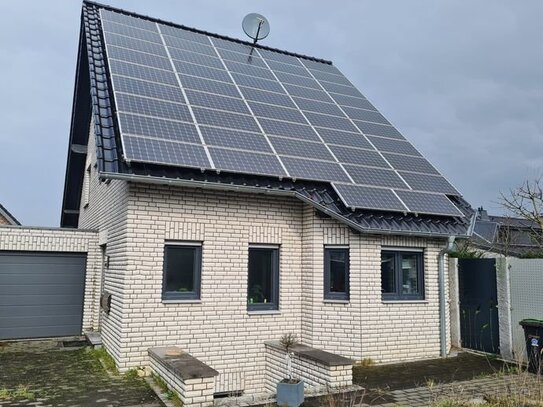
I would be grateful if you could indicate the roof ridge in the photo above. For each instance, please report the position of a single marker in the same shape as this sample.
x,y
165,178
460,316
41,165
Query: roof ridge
x,y
211,34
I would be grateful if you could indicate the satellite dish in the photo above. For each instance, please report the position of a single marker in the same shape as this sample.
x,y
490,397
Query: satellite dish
x,y
256,26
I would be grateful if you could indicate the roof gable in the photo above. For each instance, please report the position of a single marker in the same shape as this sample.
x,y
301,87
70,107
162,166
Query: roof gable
x,y
8,216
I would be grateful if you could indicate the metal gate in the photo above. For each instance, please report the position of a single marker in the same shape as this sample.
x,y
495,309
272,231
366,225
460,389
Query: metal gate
x,y
41,294
479,324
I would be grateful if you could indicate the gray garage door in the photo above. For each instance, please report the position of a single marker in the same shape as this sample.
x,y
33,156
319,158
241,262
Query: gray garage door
x,y
41,294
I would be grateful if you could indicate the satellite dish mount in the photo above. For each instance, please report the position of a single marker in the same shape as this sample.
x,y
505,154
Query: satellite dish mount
x,y
256,26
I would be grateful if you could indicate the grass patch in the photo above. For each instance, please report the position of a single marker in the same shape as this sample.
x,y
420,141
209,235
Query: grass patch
x,y
19,393
103,356
170,394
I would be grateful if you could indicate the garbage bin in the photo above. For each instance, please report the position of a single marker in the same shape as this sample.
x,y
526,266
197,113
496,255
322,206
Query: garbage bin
x,y
533,332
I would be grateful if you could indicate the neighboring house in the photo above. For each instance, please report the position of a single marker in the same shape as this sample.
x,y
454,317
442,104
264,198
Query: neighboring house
x,y
7,218
507,236
243,193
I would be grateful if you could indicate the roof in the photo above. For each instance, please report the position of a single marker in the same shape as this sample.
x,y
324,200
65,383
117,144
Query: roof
x,y
94,97
8,216
506,235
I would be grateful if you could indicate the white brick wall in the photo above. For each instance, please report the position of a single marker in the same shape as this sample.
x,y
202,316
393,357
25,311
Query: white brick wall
x,y
106,211
17,238
218,330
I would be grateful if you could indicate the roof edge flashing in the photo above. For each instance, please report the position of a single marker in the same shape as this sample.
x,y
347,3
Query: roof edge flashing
x,y
262,191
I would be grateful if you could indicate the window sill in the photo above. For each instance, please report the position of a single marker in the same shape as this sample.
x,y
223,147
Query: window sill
x,y
404,301
331,301
264,312
181,302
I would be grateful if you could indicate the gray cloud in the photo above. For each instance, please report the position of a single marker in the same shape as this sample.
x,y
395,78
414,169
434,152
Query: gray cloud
x,y
462,80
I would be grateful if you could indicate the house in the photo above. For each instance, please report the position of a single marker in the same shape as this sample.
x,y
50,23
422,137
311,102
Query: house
x,y
7,218
239,192
508,236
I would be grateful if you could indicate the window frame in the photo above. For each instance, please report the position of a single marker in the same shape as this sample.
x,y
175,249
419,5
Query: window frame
x,y
195,294
272,305
397,294
328,294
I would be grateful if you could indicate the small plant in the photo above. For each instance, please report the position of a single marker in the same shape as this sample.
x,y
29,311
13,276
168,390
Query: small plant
x,y
105,358
131,374
366,362
170,394
288,341
20,393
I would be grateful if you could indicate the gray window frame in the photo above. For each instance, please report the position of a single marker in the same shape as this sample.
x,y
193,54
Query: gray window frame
x,y
272,305
397,294
197,272
328,294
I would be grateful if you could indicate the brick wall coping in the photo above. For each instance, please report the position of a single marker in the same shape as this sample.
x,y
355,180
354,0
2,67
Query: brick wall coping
x,y
181,363
317,355
49,228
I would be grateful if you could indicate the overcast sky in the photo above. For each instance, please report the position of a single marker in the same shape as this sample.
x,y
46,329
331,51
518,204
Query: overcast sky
x,y
462,80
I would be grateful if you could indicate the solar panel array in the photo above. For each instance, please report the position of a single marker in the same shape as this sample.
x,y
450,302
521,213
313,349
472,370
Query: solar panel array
x,y
191,100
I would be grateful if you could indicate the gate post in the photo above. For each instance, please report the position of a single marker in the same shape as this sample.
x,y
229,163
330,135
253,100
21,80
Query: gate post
x,y
503,283
454,307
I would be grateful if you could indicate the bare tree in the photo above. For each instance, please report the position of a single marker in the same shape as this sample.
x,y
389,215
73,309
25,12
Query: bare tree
x,y
526,202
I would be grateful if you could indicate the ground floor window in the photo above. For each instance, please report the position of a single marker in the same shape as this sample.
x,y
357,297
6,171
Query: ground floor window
x,y
336,273
263,279
402,275
182,271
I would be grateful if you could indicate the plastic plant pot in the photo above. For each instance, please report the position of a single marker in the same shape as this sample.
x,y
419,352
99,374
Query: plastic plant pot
x,y
290,393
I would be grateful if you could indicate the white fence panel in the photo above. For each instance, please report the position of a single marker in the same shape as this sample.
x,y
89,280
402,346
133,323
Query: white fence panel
x,y
526,279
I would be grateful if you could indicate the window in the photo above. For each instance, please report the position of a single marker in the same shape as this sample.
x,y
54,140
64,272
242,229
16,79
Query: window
x,y
336,273
263,281
182,270
402,275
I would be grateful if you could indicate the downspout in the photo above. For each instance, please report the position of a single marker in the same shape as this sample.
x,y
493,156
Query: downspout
x,y
442,288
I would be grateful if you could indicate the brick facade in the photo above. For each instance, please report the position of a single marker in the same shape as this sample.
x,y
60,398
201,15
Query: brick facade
x,y
137,219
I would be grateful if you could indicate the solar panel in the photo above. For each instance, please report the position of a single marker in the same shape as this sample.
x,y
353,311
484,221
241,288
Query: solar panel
x,y
158,128
144,73
257,95
378,177
436,204
246,162
164,152
356,196
365,115
314,170
235,139
318,107
293,130
393,146
378,129
276,112
195,58
225,119
152,107
430,183
299,148
202,71
216,102
408,163
186,99
357,156
138,57
343,138
330,122
132,43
